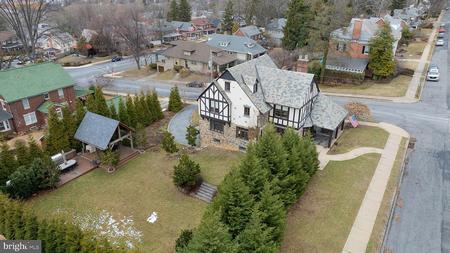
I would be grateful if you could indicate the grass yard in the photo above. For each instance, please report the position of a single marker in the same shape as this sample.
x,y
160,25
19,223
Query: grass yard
x,y
73,59
321,221
408,64
131,194
138,73
396,88
376,239
414,50
362,136
164,76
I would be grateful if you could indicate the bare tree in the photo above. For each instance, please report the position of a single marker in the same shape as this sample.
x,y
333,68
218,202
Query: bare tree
x,y
24,16
130,30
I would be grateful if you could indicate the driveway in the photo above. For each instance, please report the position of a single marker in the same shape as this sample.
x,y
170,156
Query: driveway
x,y
179,123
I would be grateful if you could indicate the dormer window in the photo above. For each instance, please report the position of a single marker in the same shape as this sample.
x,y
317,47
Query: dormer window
x,y
224,43
249,45
255,87
188,52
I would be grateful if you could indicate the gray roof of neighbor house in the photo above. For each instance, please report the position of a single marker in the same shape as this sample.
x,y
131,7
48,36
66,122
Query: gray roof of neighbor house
x,y
182,26
250,30
285,87
236,44
326,113
96,130
348,64
199,52
277,24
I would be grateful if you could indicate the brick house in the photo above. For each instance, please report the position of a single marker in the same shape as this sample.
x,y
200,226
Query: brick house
x,y
348,49
203,24
251,32
27,93
245,98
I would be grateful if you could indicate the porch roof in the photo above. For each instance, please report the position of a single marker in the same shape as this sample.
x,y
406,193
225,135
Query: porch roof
x,y
326,113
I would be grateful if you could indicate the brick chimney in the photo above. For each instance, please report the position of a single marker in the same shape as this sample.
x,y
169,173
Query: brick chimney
x,y
302,64
357,26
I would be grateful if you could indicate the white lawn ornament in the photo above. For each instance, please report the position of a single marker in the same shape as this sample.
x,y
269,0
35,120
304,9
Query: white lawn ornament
x,y
152,218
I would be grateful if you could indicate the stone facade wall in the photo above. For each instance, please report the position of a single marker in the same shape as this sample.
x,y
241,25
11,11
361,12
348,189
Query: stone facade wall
x,y
226,140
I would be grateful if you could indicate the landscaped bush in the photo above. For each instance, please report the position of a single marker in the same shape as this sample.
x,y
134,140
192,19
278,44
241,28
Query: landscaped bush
x,y
177,68
315,68
186,174
175,103
109,158
191,135
152,66
249,212
168,143
183,240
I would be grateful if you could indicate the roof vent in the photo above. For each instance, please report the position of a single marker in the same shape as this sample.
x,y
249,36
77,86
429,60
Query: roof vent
x,y
224,43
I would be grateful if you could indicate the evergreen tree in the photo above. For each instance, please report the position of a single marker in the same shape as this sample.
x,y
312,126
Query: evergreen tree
x,y
113,112
191,135
140,136
91,104
381,55
211,237
8,164
227,21
172,14
155,101
187,173
235,203
398,4
256,237
146,113
131,112
140,111
296,31
35,151
168,143
100,103
80,111
57,139
184,11
31,227
175,103
123,114
250,10
70,126
21,150
253,174
183,240
309,155
272,212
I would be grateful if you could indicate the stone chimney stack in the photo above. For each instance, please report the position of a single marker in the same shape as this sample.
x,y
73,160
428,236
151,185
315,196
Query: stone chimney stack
x,y
302,63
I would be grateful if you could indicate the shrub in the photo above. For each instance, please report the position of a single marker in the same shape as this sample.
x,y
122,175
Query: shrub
x,y
152,66
187,173
177,68
175,103
184,72
168,143
315,68
140,136
360,110
183,240
191,135
109,158
407,36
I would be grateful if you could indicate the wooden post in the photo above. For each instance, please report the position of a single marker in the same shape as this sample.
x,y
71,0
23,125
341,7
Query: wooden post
x,y
131,140
330,139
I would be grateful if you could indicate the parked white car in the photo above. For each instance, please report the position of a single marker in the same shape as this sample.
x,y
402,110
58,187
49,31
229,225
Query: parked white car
x,y
439,42
433,73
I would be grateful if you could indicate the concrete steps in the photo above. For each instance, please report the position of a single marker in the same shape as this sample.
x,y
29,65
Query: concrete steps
x,y
205,192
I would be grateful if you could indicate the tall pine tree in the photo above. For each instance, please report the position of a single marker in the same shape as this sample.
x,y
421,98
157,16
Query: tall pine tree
x,y
256,237
172,14
57,139
381,55
227,21
175,103
184,11
296,31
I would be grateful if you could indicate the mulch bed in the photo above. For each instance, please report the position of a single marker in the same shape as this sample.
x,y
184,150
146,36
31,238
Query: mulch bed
x,y
156,130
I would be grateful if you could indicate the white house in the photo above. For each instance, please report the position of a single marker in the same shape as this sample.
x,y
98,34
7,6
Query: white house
x,y
245,98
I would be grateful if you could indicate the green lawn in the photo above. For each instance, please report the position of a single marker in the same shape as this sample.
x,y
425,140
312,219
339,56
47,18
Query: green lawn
x,y
395,88
324,215
362,136
376,238
131,194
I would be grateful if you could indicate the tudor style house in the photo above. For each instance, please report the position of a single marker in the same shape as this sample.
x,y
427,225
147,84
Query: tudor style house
x,y
27,93
245,98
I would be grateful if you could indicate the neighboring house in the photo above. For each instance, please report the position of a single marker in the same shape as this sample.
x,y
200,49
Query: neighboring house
x,y
348,49
27,93
187,30
412,15
251,32
56,42
9,41
203,24
244,48
275,31
245,98
160,29
195,57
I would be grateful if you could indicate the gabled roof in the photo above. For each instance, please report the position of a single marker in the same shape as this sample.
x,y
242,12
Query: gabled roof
x,y
96,130
250,30
4,115
277,24
326,113
33,80
199,52
237,44
183,26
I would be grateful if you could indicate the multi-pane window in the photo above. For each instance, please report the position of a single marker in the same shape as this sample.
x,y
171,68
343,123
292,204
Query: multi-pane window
x,y
25,103
241,133
246,111
216,126
30,118
61,93
365,50
4,126
227,86
341,46
214,106
46,96
281,112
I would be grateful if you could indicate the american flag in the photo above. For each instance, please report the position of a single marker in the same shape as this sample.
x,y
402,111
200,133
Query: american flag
x,y
354,121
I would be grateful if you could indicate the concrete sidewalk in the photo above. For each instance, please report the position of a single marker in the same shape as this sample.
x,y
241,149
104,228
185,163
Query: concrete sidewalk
x,y
365,220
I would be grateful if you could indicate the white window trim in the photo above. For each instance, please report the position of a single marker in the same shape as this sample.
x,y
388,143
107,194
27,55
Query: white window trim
x,y
46,96
26,103
32,117
61,93
6,125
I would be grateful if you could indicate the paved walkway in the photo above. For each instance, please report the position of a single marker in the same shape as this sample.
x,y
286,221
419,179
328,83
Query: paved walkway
x,y
179,123
365,220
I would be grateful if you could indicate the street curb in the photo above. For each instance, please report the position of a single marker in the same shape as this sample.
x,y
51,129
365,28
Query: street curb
x,y
400,100
93,64
387,227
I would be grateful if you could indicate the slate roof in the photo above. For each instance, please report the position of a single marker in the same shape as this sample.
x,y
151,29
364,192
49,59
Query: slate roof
x,y
182,26
368,30
96,130
327,114
250,30
284,87
342,63
33,80
237,44
277,24
200,52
